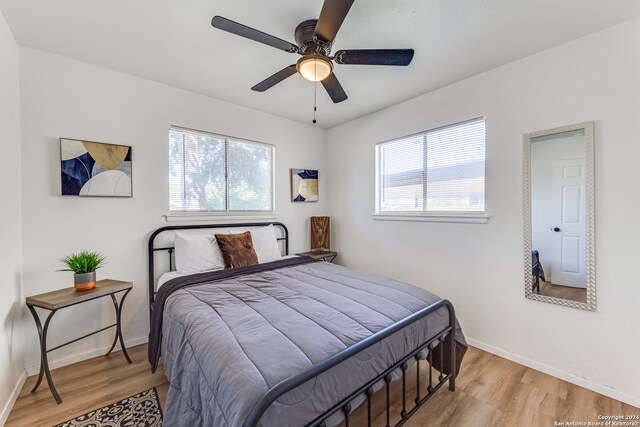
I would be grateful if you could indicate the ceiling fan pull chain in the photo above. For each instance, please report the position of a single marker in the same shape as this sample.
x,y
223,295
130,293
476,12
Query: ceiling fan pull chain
x,y
315,91
315,108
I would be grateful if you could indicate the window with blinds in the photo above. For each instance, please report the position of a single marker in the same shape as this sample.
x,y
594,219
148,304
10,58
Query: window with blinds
x,y
212,173
438,171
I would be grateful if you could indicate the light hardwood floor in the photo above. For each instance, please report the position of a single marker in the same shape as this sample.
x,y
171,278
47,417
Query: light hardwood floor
x,y
491,391
564,292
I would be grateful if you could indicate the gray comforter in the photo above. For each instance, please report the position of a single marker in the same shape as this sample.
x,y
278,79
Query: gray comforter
x,y
225,342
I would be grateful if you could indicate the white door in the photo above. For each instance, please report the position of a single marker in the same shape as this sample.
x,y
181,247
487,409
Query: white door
x,y
568,230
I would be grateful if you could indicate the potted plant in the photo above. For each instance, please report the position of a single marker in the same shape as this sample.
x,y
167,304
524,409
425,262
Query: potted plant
x,y
84,265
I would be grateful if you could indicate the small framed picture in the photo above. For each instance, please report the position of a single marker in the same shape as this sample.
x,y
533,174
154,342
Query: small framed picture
x,y
95,169
304,185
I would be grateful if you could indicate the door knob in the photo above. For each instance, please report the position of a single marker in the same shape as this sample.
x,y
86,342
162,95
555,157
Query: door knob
x,y
556,229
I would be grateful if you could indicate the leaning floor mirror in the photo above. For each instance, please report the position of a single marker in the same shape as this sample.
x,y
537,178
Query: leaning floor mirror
x,y
559,216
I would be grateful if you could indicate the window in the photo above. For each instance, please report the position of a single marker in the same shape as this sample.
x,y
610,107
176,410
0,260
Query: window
x,y
212,173
437,172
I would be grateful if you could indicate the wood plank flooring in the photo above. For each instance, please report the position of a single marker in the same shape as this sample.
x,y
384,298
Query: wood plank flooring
x,y
491,391
85,386
563,292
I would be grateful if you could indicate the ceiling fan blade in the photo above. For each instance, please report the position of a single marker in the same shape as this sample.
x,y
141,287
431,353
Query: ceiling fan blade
x,y
275,79
334,88
331,17
252,34
401,57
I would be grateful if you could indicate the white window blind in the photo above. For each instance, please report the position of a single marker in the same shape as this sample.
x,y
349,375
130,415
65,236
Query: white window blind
x,y
437,171
212,173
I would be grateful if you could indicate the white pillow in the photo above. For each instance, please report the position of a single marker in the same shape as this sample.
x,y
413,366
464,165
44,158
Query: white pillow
x,y
197,252
265,244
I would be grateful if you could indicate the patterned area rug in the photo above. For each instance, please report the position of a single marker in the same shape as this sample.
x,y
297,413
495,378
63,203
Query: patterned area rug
x,y
139,410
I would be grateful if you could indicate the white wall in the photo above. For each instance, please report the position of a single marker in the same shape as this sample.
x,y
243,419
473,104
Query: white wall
x,y
480,266
11,364
66,98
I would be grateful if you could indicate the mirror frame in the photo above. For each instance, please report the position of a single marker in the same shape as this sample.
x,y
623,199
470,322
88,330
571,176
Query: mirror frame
x,y
590,265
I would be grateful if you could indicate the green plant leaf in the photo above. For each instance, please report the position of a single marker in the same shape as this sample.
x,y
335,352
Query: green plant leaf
x,y
83,262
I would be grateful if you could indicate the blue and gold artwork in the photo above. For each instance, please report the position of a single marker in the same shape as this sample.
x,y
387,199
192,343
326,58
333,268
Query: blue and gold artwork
x,y
95,169
304,185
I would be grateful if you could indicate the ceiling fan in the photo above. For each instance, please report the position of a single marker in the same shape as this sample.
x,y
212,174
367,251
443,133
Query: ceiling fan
x,y
314,38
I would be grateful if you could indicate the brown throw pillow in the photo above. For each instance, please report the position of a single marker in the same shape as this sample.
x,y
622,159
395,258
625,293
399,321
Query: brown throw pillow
x,y
237,250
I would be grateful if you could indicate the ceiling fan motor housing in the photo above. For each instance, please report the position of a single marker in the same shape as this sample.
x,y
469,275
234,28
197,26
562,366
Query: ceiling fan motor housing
x,y
307,43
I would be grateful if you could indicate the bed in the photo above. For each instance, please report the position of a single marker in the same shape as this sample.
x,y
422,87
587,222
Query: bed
x,y
293,341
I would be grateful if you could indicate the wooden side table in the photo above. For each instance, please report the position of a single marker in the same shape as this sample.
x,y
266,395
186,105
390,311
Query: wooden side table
x,y
328,256
56,300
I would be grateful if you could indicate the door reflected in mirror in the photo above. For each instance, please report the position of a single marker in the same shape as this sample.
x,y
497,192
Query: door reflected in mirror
x,y
559,244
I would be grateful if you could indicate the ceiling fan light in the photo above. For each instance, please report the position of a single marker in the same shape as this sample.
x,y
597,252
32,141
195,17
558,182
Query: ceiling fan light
x,y
314,68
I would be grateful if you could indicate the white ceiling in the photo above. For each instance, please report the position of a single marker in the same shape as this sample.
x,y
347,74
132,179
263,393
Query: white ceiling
x,y
172,41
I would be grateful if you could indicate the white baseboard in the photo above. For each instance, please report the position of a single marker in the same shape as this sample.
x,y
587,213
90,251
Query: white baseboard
x,y
79,357
554,372
6,410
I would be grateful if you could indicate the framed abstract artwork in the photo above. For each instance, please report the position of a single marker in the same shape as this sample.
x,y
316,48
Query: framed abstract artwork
x,y
304,185
95,169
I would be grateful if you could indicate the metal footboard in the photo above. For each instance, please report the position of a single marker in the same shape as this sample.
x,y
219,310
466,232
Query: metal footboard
x,y
447,343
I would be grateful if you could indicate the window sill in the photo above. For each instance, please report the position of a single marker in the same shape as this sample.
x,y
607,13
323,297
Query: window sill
x,y
219,216
419,217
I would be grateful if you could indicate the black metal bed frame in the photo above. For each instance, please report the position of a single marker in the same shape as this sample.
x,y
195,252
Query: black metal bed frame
x,y
442,341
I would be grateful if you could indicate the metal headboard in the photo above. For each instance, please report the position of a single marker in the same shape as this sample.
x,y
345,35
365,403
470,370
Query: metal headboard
x,y
170,249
